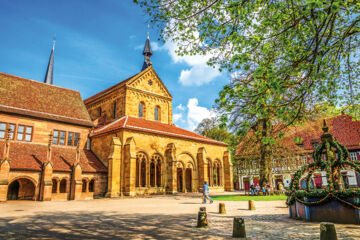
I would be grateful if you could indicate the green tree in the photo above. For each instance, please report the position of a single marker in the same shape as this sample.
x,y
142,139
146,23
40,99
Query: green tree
x,y
286,55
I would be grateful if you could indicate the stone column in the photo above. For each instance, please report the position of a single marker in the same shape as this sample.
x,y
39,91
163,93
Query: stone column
x,y
228,185
130,167
76,182
46,174
5,169
114,168
183,180
202,170
4,179
171,180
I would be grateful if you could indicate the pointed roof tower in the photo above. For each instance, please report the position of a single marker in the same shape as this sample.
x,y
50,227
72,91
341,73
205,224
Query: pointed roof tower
x,y
50,69
147,54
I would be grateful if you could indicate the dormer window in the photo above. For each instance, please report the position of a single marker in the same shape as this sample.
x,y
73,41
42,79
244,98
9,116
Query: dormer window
x,y
157,113
141,109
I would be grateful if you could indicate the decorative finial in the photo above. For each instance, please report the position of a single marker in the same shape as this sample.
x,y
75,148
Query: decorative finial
x,y
50,139
148,30
325,127
54,39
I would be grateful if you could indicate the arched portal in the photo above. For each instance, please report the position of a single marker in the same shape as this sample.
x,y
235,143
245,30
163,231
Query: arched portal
x,y
21,189
179,179
188,179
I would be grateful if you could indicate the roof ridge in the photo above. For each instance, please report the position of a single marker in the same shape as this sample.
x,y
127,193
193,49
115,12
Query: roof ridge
x,y
28,79
108,125
95,96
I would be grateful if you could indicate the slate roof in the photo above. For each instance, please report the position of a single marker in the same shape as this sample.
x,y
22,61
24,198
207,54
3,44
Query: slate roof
x,y
154,127
32,98
28,156
343,128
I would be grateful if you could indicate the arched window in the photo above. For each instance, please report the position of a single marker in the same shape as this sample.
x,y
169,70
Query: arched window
x,y
54,185
158,173
92,185
157,113
114,110
84,182
63,186
141,109
141,160
152,174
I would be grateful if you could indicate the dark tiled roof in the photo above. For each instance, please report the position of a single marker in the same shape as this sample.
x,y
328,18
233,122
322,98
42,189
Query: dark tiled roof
x,y
155,127
31,156
37,99
343,128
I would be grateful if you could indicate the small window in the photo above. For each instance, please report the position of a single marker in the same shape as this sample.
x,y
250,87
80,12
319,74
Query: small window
x,y
2,130
157,118
114,110
141,109
59,137
24,133
70,140
77,137
99,111
92,185
353,156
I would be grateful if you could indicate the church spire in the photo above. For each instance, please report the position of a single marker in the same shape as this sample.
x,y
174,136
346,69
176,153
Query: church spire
x,y
147,53
49,71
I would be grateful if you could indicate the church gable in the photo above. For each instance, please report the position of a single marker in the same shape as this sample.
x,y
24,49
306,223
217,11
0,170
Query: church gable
x,y
150,82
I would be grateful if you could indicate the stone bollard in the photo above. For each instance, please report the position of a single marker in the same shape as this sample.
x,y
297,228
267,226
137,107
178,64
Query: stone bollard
x,y
202,219
222,208
251,205
239,228
202,209
327,231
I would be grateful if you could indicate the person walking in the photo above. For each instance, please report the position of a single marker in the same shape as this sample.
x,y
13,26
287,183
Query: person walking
x,y
206,191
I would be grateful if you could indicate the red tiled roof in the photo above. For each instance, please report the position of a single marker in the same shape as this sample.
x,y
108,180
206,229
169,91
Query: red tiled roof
x,y
31,156
143,125
343,128
37,99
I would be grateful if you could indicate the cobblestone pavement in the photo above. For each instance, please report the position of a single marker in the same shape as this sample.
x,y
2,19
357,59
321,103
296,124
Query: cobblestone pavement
x,y
157,217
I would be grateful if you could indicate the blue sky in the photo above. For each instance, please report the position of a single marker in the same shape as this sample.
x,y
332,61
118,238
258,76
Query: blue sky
x,y
98,44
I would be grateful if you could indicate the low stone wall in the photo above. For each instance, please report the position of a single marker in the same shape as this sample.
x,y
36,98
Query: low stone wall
x,y
332,211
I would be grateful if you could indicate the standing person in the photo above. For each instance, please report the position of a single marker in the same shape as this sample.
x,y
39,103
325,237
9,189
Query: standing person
x,y
252,189
268,189
263,189
257,189
206,191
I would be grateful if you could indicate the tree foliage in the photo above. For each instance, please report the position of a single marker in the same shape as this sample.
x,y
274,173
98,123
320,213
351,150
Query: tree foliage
x,y
285,56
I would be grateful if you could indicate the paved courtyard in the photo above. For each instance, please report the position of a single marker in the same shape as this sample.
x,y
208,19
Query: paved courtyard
x,y
158,217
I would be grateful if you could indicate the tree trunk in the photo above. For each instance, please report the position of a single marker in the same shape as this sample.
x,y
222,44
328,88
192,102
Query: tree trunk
x,y
265,154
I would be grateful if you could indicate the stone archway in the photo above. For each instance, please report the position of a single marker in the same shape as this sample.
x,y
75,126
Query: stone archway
x,y
188,179
21,189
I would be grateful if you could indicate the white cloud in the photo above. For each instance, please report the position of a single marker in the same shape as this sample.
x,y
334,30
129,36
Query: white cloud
x,y
177,117
199,72
197,113
181,107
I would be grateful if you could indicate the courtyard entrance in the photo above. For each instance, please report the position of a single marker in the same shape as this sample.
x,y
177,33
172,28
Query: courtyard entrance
x,y
188,175
179,179
21,189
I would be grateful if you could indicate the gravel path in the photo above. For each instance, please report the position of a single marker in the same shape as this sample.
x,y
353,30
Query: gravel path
x,y
156,217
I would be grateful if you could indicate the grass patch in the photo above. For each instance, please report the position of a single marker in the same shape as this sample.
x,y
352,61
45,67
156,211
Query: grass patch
x,y
247,198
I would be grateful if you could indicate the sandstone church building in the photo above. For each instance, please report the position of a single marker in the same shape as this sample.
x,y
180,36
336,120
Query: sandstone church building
x,y
121,141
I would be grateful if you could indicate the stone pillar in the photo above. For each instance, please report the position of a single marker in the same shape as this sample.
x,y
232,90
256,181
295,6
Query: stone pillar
x,y
46,181
114,168
130,167
202,170
4,179
170,154
228,172
46,174
5,169
183,180
76,182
